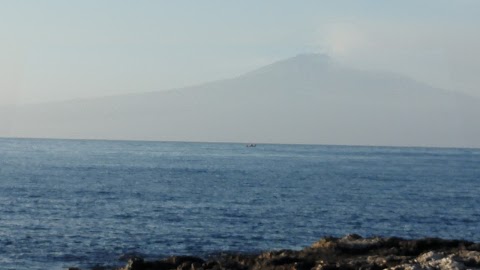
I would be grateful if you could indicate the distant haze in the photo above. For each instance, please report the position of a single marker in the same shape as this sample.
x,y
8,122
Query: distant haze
x,y
309,98
55,50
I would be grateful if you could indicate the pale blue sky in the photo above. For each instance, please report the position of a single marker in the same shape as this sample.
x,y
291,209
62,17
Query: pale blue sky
x,y
55,50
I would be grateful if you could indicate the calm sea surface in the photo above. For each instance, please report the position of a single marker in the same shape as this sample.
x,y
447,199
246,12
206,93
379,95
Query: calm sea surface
x,y
80,203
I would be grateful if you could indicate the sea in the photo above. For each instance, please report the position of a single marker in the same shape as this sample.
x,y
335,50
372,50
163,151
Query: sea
x,y
86,203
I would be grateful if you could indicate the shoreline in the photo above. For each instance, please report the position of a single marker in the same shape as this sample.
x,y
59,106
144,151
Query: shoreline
x,y
348,252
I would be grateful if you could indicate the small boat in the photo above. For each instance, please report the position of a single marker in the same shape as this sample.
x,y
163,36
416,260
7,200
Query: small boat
x,y
251,145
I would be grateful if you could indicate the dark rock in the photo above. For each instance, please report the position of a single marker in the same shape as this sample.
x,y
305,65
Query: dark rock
x,y
178,260
140,264
211,265
349,252
233,265
416,247
184,266
99,267
135,264
196,266
304,265
282,261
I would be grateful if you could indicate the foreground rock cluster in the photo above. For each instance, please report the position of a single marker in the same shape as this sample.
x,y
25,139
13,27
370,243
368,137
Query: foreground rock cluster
x,y
349,252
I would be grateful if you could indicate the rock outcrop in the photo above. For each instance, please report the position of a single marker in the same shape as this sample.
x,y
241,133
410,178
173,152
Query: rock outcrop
x,y
349,252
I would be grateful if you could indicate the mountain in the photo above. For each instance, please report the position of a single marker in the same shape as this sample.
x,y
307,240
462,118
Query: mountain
x,y
305,99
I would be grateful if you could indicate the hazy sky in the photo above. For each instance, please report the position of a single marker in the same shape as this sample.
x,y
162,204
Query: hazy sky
x,y
55,50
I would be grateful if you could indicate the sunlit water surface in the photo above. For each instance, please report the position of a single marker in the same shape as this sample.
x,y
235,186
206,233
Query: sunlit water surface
x,y
81,203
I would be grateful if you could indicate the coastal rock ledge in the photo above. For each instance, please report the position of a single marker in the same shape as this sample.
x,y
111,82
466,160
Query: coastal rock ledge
x,y
349,252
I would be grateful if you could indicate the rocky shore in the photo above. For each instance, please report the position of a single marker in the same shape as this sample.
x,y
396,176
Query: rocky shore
x,y
349,252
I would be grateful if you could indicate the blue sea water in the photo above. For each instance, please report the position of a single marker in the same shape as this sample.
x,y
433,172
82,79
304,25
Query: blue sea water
x,y
80,203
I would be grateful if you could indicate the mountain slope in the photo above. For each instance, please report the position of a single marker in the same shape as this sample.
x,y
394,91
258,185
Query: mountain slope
x,y
304,99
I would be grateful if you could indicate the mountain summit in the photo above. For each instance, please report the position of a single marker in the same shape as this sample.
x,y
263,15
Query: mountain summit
x,y
309,63
305,99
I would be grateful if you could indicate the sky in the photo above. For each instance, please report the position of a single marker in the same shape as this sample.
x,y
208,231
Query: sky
x,y
57,50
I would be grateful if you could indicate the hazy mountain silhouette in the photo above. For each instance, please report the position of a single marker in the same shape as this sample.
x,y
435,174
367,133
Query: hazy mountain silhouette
x,y
304,99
